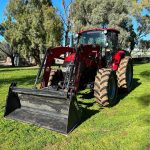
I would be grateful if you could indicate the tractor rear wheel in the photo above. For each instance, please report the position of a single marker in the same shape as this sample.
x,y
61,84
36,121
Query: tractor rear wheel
x,y
125,74
105,87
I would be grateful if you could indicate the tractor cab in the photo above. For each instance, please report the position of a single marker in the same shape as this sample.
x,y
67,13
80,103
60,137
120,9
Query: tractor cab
x,y
92,38
106,38
106,41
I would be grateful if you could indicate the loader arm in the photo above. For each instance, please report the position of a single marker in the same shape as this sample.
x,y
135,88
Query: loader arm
x,y
82,59
50,55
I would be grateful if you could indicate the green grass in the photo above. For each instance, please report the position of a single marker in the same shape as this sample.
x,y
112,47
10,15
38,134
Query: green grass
x,y
122,127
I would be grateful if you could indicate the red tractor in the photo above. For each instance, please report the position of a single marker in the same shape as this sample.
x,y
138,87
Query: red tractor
x,y
94,62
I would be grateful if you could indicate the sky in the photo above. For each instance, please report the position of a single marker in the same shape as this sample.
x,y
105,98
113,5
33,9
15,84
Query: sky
x,y
58,4
3,4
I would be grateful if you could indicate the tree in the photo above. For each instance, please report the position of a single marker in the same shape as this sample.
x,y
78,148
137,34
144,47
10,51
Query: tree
x,y
144,45
143,20
8,51
65,17
2,56
101,13
32,26
132,39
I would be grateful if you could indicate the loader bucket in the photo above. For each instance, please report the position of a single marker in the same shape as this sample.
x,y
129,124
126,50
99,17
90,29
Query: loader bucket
x,y
55,110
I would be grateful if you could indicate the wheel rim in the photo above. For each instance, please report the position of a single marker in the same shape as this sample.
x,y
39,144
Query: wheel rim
x,y
129,76
111,88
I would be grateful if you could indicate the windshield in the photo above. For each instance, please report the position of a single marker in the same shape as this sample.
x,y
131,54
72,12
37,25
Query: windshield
x,y
92,37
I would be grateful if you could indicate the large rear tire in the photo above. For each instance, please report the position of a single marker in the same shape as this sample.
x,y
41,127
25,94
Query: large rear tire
x,y
125,74
105,87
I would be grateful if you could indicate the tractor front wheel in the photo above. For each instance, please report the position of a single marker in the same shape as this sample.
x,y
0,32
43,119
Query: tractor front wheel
x,y
105,87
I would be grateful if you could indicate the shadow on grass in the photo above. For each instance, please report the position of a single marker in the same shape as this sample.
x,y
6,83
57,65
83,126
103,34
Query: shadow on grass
x,y
86,105
145,74
144,100
87,113
20,81
86,95
16,69
122,93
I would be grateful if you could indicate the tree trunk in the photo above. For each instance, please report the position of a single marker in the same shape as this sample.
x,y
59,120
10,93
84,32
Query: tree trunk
x,y
66,38
36,55
37,60
12,61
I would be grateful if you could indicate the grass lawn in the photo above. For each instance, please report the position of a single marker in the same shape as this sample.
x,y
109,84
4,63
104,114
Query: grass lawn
x,y
122,127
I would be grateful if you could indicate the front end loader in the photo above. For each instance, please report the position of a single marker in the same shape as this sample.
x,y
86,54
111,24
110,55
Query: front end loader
x,y
46,107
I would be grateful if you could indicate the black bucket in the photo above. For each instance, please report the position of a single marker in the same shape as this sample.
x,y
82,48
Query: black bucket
x,y
55,110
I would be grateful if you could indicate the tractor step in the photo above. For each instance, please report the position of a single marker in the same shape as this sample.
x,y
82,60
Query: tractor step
x,y
47,108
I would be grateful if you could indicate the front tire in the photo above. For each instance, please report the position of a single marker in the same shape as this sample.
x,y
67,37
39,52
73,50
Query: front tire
x,y
105,87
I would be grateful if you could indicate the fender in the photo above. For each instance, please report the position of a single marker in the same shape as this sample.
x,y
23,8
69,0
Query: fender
x,y
116,59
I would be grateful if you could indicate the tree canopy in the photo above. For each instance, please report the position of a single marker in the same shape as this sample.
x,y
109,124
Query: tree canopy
x,y
32,26
113,14
144,45
143,19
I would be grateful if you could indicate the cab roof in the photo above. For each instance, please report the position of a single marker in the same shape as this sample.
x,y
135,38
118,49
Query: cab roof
x,y
100,29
